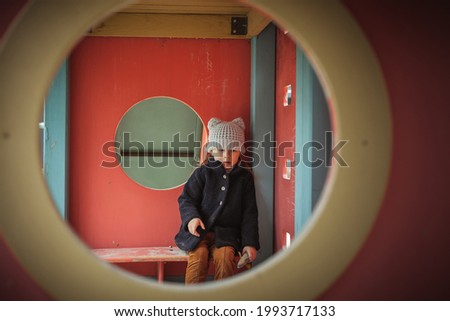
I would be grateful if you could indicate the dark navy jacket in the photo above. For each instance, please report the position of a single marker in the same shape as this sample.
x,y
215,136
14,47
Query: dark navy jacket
x,y
226,204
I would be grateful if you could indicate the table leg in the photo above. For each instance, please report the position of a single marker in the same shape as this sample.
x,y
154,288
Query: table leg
x,y
160,271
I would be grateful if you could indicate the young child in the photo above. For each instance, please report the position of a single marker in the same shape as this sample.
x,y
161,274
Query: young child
x,y
218,206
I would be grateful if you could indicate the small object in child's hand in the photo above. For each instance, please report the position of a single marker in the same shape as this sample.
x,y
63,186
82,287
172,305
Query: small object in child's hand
x,y
243,260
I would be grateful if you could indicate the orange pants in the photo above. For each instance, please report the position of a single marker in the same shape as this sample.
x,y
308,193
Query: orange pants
x,y
198,262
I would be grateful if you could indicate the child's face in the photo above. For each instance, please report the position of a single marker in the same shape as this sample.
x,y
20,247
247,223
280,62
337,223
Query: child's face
x,y
229,158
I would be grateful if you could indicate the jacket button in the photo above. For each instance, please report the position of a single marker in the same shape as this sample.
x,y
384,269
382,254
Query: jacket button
x,y
220,203
224,176
222,188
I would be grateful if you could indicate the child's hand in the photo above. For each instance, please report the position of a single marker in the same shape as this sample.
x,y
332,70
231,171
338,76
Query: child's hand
x,y
251,251
193,224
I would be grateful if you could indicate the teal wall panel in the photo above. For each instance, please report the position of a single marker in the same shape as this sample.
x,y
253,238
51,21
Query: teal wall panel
x,y
55,140
304,122
312,122
321,126
262,127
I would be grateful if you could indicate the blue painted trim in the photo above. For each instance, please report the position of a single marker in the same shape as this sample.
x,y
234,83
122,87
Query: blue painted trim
x,y
253,86
262,112
56,139
304,123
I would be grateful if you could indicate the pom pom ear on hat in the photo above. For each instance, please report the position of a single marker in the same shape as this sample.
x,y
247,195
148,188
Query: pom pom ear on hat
x,y
240,122
213,122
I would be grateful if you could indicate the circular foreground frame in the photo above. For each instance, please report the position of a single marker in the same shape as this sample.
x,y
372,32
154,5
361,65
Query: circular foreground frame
x,y
44,35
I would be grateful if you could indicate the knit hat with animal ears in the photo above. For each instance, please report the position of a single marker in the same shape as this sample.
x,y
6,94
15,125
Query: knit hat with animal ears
x,y
226,135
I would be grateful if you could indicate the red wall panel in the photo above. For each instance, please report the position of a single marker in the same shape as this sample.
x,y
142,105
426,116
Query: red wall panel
x,y
107,77
284,200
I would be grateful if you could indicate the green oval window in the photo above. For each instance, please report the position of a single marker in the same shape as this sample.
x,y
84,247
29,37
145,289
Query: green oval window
x,y
159,142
